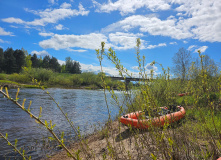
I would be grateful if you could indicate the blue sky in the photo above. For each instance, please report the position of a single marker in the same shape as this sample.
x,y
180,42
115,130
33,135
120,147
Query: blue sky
x,y
76,28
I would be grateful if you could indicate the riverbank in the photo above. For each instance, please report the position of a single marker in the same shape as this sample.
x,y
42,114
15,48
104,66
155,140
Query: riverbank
x,y
115,141
119,142
86,80
12,85
119,137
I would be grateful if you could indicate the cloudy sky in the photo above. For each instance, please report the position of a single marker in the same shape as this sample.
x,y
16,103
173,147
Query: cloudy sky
x,y
76,28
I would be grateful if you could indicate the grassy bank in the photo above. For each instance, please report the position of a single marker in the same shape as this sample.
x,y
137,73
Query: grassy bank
x,y
87,80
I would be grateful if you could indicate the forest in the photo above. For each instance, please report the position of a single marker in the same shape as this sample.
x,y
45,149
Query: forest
x,y
12,61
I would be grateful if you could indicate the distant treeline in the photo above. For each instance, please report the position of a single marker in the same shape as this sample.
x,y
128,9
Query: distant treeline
x,y
12,61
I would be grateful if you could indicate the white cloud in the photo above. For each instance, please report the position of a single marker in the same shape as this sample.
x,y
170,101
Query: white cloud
x,y
148,69
202,49
61,62
108,70
5,33
96,69
2,41
155,46
124,41
52,1
89,41
203,18
198,19
125,6
191,47
196,48
66,5
49,16
44,34
13,20
173,43
59,27
12,26
76,50
150,24
40,53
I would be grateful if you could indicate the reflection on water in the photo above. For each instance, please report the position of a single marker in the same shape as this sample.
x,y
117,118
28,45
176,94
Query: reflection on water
x,y
85,108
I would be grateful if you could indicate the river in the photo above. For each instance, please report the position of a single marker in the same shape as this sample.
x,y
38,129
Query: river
x,y
86,109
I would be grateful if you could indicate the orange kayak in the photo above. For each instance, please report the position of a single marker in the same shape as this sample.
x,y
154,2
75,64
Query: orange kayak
x,y
182,94
136,121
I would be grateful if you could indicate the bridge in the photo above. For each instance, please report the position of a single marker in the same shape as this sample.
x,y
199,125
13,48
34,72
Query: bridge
x,y
128,79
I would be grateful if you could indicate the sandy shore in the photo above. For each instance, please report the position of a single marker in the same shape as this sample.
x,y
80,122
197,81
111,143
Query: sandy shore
x,y
118,144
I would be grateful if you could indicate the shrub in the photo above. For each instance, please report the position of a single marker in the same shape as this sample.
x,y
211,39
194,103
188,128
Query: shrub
x,y
2,76
41,74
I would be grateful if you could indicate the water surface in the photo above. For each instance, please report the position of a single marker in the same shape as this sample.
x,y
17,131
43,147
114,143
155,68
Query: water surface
x,y
86,109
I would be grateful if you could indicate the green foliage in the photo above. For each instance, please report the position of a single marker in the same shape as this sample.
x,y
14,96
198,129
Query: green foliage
x,y
64,80
21,78
2,76
40,74
28,62
77,80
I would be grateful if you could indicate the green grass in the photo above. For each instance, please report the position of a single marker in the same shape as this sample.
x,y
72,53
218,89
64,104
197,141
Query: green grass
x,y
10,82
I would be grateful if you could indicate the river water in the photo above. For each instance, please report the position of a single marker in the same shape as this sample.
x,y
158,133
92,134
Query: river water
x,y
86,109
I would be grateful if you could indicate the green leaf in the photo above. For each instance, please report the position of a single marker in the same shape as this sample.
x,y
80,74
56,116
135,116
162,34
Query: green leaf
x,y
40,112
6,90
51,138
16,98
29,106
23,104
16,141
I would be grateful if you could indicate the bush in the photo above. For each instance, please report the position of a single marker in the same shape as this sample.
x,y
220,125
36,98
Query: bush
x,y
77,80
41,74
21,78
60,79
2,76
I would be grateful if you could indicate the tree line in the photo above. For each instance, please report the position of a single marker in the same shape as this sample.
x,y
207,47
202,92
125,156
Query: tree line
x,y
12,61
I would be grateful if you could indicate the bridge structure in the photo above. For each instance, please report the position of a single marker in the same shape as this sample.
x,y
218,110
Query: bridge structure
x,y
128,79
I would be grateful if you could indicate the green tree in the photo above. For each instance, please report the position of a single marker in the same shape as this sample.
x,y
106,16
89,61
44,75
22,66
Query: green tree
x,y
28,62
20,59
35,61
76,68
2,60
182,61
10,61
68,64
54,65
63,70
46,60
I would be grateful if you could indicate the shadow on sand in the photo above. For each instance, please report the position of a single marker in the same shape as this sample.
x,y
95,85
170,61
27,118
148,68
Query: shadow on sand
x,y
128,133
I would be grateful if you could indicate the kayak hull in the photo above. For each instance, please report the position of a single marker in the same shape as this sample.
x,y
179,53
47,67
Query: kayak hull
x,y
134,119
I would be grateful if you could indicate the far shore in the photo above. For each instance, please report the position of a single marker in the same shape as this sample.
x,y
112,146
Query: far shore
x,y
11,85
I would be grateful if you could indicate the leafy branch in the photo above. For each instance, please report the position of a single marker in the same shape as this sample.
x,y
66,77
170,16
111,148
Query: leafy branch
x,y
14,146
37,119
